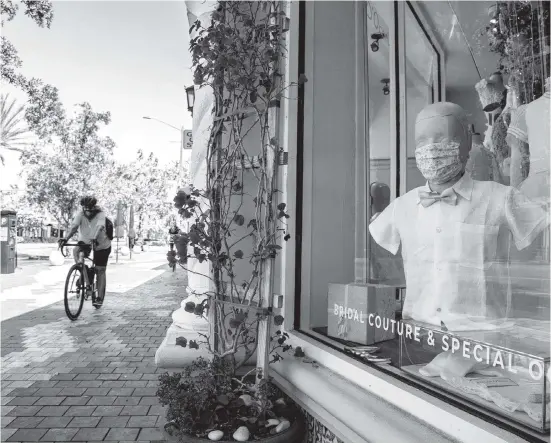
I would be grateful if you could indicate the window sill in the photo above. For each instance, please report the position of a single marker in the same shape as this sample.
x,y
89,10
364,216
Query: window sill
x,y
361,404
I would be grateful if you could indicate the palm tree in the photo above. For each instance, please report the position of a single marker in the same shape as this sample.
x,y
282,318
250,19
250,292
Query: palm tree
x,y
14,131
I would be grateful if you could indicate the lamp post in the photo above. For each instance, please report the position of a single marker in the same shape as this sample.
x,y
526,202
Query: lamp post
x,y
181,131
190,96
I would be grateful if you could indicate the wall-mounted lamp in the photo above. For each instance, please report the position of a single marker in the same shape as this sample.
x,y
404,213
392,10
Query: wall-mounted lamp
x,y
375,45
190,94
386,87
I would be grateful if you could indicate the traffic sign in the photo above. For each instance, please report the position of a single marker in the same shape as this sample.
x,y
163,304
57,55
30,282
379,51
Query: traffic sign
x,y
188,139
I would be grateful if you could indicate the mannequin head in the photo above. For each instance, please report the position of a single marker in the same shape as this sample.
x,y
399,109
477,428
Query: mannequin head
x,y
442,141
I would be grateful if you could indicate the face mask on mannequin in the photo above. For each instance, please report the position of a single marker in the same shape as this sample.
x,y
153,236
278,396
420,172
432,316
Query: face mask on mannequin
x,y
439,162
443,142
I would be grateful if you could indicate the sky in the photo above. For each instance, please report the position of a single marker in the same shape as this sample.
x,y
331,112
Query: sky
x,y
130,58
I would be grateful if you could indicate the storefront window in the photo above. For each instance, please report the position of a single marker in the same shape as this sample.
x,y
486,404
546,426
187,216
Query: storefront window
x,y
422,70
446,282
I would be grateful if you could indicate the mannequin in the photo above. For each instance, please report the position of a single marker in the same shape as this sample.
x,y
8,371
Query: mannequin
x,y
449,229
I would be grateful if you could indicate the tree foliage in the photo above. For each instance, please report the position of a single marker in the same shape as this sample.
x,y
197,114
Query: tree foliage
x,y
77,162
14,134
44,108
41,12
145,184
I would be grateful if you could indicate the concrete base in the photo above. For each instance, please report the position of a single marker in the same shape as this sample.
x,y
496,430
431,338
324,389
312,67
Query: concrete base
x,y
184,324
188,321
171,356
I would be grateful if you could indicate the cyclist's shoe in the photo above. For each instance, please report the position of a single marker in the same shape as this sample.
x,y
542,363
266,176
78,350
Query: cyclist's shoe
x,y
98,303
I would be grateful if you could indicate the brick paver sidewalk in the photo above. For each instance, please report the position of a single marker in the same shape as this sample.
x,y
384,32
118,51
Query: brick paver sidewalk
x,y
90,380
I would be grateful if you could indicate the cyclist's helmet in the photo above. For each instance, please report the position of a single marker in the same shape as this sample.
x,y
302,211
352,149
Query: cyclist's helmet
x,y
88,201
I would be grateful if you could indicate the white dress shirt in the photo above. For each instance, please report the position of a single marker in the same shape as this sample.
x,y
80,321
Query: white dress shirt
x,y
455,256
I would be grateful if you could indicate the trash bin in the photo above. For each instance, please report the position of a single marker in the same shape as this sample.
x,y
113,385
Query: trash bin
x,y
8,234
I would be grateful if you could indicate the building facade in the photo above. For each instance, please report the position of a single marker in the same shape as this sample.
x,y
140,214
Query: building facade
x,y
387,371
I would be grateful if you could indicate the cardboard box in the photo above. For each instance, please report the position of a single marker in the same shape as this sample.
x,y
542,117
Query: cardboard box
x,y
359,312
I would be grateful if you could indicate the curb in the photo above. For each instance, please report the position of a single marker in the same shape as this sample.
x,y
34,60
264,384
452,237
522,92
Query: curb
x,y
32,257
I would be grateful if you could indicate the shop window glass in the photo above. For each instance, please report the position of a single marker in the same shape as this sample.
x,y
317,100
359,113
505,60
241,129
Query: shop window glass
x,y
472,318
422,64
477,293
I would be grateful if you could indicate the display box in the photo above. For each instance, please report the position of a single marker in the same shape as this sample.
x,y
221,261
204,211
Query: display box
x,y
361,312
504,370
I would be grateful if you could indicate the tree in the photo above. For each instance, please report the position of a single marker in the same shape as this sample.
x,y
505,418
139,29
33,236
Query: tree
x,y
14,132
45,109
146,185
77,162
41,12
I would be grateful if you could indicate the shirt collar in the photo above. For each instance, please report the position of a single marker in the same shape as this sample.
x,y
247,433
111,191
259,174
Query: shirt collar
x,y
464,187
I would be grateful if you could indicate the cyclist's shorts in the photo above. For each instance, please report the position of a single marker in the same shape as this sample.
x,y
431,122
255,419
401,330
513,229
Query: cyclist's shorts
x,y
101,256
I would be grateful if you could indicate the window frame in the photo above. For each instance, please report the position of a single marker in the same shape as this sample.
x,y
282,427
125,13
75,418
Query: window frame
x,y
452,417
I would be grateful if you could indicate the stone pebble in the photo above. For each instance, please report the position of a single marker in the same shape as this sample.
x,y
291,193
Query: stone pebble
x,y
215,435
241,434
282,426
272,422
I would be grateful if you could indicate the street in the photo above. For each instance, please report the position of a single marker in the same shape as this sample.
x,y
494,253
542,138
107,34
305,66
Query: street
x,y
93,379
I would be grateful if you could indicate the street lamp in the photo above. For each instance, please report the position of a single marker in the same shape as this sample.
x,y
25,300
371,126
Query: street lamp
x,y
182,142
190,94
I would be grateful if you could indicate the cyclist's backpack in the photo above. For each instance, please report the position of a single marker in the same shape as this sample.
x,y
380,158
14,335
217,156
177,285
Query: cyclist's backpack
x,y
109,228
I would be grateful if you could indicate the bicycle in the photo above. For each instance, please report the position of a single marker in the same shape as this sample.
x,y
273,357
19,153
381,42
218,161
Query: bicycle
x,y
80,284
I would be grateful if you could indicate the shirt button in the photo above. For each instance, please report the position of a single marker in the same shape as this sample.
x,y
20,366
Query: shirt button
x,y
438,230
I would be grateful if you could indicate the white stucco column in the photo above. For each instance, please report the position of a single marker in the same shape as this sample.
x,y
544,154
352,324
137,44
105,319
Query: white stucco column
x,y
185,324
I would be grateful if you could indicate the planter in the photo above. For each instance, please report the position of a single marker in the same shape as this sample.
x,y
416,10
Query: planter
x,y
295,434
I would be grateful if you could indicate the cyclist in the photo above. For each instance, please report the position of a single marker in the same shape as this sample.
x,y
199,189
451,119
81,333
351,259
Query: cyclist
x,y
90,224
173,233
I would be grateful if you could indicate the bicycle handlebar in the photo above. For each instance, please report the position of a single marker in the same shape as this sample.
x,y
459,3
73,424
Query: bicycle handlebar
x,y
61,247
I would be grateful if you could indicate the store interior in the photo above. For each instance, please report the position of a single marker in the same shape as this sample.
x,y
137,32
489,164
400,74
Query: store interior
x,y
345,281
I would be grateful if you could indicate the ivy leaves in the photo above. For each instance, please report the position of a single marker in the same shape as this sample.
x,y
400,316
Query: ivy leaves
x,y
239,220
183,342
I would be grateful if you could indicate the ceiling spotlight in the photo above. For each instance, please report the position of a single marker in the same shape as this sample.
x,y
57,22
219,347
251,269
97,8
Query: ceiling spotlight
x,y
375,45
386,88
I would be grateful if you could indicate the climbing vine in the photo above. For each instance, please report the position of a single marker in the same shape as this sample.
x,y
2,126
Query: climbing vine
x,y
237,222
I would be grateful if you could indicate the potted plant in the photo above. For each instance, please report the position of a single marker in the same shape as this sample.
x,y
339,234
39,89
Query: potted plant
x,y
237,224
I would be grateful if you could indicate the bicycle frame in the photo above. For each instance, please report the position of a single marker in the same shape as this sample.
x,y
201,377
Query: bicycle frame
x,y
82,261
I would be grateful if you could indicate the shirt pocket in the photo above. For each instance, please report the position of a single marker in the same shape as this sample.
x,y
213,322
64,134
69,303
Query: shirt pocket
x,y
476,245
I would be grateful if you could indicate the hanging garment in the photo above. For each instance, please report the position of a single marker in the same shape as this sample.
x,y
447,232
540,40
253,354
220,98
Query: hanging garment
x,y
530,125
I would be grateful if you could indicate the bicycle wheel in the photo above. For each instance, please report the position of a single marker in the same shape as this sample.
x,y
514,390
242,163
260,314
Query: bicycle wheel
x,y
74,292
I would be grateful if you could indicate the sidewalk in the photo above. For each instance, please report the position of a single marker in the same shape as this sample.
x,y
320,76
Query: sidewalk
x,y
35,283
42,251
35,251
90,380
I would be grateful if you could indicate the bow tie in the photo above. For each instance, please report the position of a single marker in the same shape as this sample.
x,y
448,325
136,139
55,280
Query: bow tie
x,y
428,198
